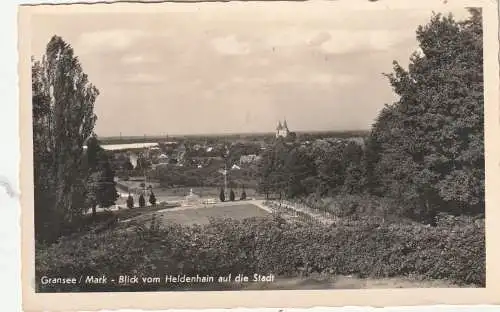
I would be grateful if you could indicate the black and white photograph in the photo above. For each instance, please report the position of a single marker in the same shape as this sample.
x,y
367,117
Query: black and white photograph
x,y
257,147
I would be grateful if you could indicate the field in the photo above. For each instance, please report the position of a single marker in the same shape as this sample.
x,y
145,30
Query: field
x,y
190,216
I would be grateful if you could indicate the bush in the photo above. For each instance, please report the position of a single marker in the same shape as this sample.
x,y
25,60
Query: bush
x,y
152,199
130,202
142,201
270,245
231,196
357,204
88,256
222,197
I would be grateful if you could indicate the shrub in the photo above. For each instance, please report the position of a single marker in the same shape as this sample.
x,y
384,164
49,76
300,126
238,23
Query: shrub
x,y
231,196
93,254
222,197
142,201
152,199
130,202
271,245
356,204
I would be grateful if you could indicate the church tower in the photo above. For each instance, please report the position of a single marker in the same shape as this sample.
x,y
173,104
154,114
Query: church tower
x,y
282,129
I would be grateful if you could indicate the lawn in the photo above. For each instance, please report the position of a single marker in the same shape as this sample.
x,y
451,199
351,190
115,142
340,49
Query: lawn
x,y
202,215
131,213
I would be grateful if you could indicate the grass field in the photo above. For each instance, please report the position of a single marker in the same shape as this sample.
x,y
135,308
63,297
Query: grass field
x,y
191,216
131,213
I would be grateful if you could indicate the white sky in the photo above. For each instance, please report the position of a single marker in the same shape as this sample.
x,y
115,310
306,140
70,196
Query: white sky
x,y
218,68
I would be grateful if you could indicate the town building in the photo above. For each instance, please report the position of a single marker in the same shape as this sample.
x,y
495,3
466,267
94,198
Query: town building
x,y
248,159
180,153
163,159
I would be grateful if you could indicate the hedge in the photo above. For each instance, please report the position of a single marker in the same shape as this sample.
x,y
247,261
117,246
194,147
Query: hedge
x,y
271,245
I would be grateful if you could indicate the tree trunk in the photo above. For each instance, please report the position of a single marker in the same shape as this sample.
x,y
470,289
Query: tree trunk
x,y
94,210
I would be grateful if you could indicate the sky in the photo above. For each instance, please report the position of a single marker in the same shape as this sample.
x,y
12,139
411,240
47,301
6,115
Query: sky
x,y
217,68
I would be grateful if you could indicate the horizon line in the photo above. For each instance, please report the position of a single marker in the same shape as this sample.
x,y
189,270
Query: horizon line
x,y
225,134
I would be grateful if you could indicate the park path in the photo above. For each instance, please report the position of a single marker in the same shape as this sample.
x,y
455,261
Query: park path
x,y
275,207
204,205
302,208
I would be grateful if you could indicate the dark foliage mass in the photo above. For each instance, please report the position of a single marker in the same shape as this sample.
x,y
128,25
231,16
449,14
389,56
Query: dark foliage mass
x,y
207,176
152,199
274,246
429,146
67,179
130,201
426,150
101,187
243,195
222,196
142,201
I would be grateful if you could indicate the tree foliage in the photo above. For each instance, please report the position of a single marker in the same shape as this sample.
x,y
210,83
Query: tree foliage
x,y
272,178
142,201
152,199
243,195
63,119
370,250
101,185
296,171
426,150
222,196
130,202
142,163
429,145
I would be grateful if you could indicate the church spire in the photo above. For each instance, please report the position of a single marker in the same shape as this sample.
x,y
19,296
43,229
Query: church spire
x,y
279,127
284,123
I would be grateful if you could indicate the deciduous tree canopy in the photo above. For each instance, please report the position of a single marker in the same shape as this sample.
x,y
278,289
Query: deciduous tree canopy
x,y
425,150
63,119
430,143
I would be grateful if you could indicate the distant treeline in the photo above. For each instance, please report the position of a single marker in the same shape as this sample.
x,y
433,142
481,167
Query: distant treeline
x,y
229,137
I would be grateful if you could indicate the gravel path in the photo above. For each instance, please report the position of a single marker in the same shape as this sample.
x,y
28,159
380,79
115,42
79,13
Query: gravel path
x,y
305,210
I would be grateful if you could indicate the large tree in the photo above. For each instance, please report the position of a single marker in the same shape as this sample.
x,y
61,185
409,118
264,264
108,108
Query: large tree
x,y
44,188
430,143
329,155
300,172
271,170
63,119
101,183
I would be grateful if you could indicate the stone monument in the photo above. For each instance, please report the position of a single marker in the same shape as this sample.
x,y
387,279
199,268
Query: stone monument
x,y
191,199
